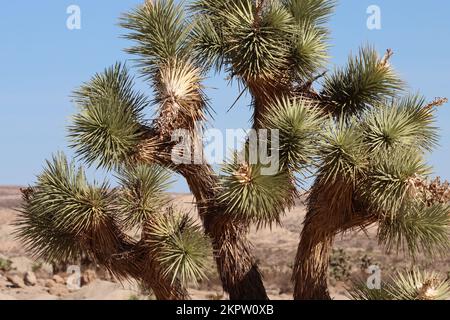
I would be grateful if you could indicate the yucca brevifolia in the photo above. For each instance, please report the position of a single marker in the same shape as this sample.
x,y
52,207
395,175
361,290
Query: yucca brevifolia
x,y
369,143
65,218
364,143
110,130
370,168
409,285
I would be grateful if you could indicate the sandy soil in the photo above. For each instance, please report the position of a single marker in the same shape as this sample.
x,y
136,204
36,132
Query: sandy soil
x,y
274,248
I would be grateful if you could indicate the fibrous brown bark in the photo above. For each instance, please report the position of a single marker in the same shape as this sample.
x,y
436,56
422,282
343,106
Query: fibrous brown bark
x,y
125,257
107,245
236,266
332,209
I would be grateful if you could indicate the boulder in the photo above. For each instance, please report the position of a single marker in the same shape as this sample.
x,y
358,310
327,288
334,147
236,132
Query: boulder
x,y
21,264
58,279
16,281
30,278
50,283
88,277
58,290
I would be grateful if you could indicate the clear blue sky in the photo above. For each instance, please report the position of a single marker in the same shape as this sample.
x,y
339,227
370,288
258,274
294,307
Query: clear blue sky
x,y
41,62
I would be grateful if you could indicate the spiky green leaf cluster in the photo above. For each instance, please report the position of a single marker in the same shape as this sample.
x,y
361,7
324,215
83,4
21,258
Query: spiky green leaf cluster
x,y
417,229
108,126
404,122
299,123
267,40
313,12
389,182
62,210
342,155
383,145
408,285
365,80
179,245
309,51
64,217
160,32
142,193
257,43
406,223
247,194
374,162
209,44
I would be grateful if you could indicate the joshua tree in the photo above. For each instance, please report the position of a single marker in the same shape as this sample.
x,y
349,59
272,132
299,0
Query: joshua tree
x,y
354,129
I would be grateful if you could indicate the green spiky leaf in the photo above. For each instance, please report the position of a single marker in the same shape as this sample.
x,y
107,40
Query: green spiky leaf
x,y
406,285
61,210
360,291
310,52
208,43
363,82
142,194
390,181
342,152
404,123
315,12
257,47
108,126
180,247
160,32
299,122
417,229
249,195
419,285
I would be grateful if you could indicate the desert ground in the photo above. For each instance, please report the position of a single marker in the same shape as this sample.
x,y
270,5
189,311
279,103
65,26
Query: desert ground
x,y
24,277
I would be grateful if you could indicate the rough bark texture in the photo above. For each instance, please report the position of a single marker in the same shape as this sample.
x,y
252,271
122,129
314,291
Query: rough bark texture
x,y
125,257
332,209
311,273
237,268
107,245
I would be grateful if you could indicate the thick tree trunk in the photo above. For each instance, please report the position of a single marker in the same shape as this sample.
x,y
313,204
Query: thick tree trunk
x,y
239,272
124,257
311,264
162,286
332,209
237,268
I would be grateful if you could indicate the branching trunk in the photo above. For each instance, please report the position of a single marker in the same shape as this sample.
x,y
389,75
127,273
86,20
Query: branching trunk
x,y
237,268
125,258
311,272
162,286
331,210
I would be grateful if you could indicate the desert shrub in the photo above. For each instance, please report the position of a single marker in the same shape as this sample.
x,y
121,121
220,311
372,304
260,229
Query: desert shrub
x,y
5,265
340,266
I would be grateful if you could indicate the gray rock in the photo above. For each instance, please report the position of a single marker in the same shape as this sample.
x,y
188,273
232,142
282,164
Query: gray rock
x,y
16,281
59,279
88,277
4,283
21,264
50,283
30,278
46,269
